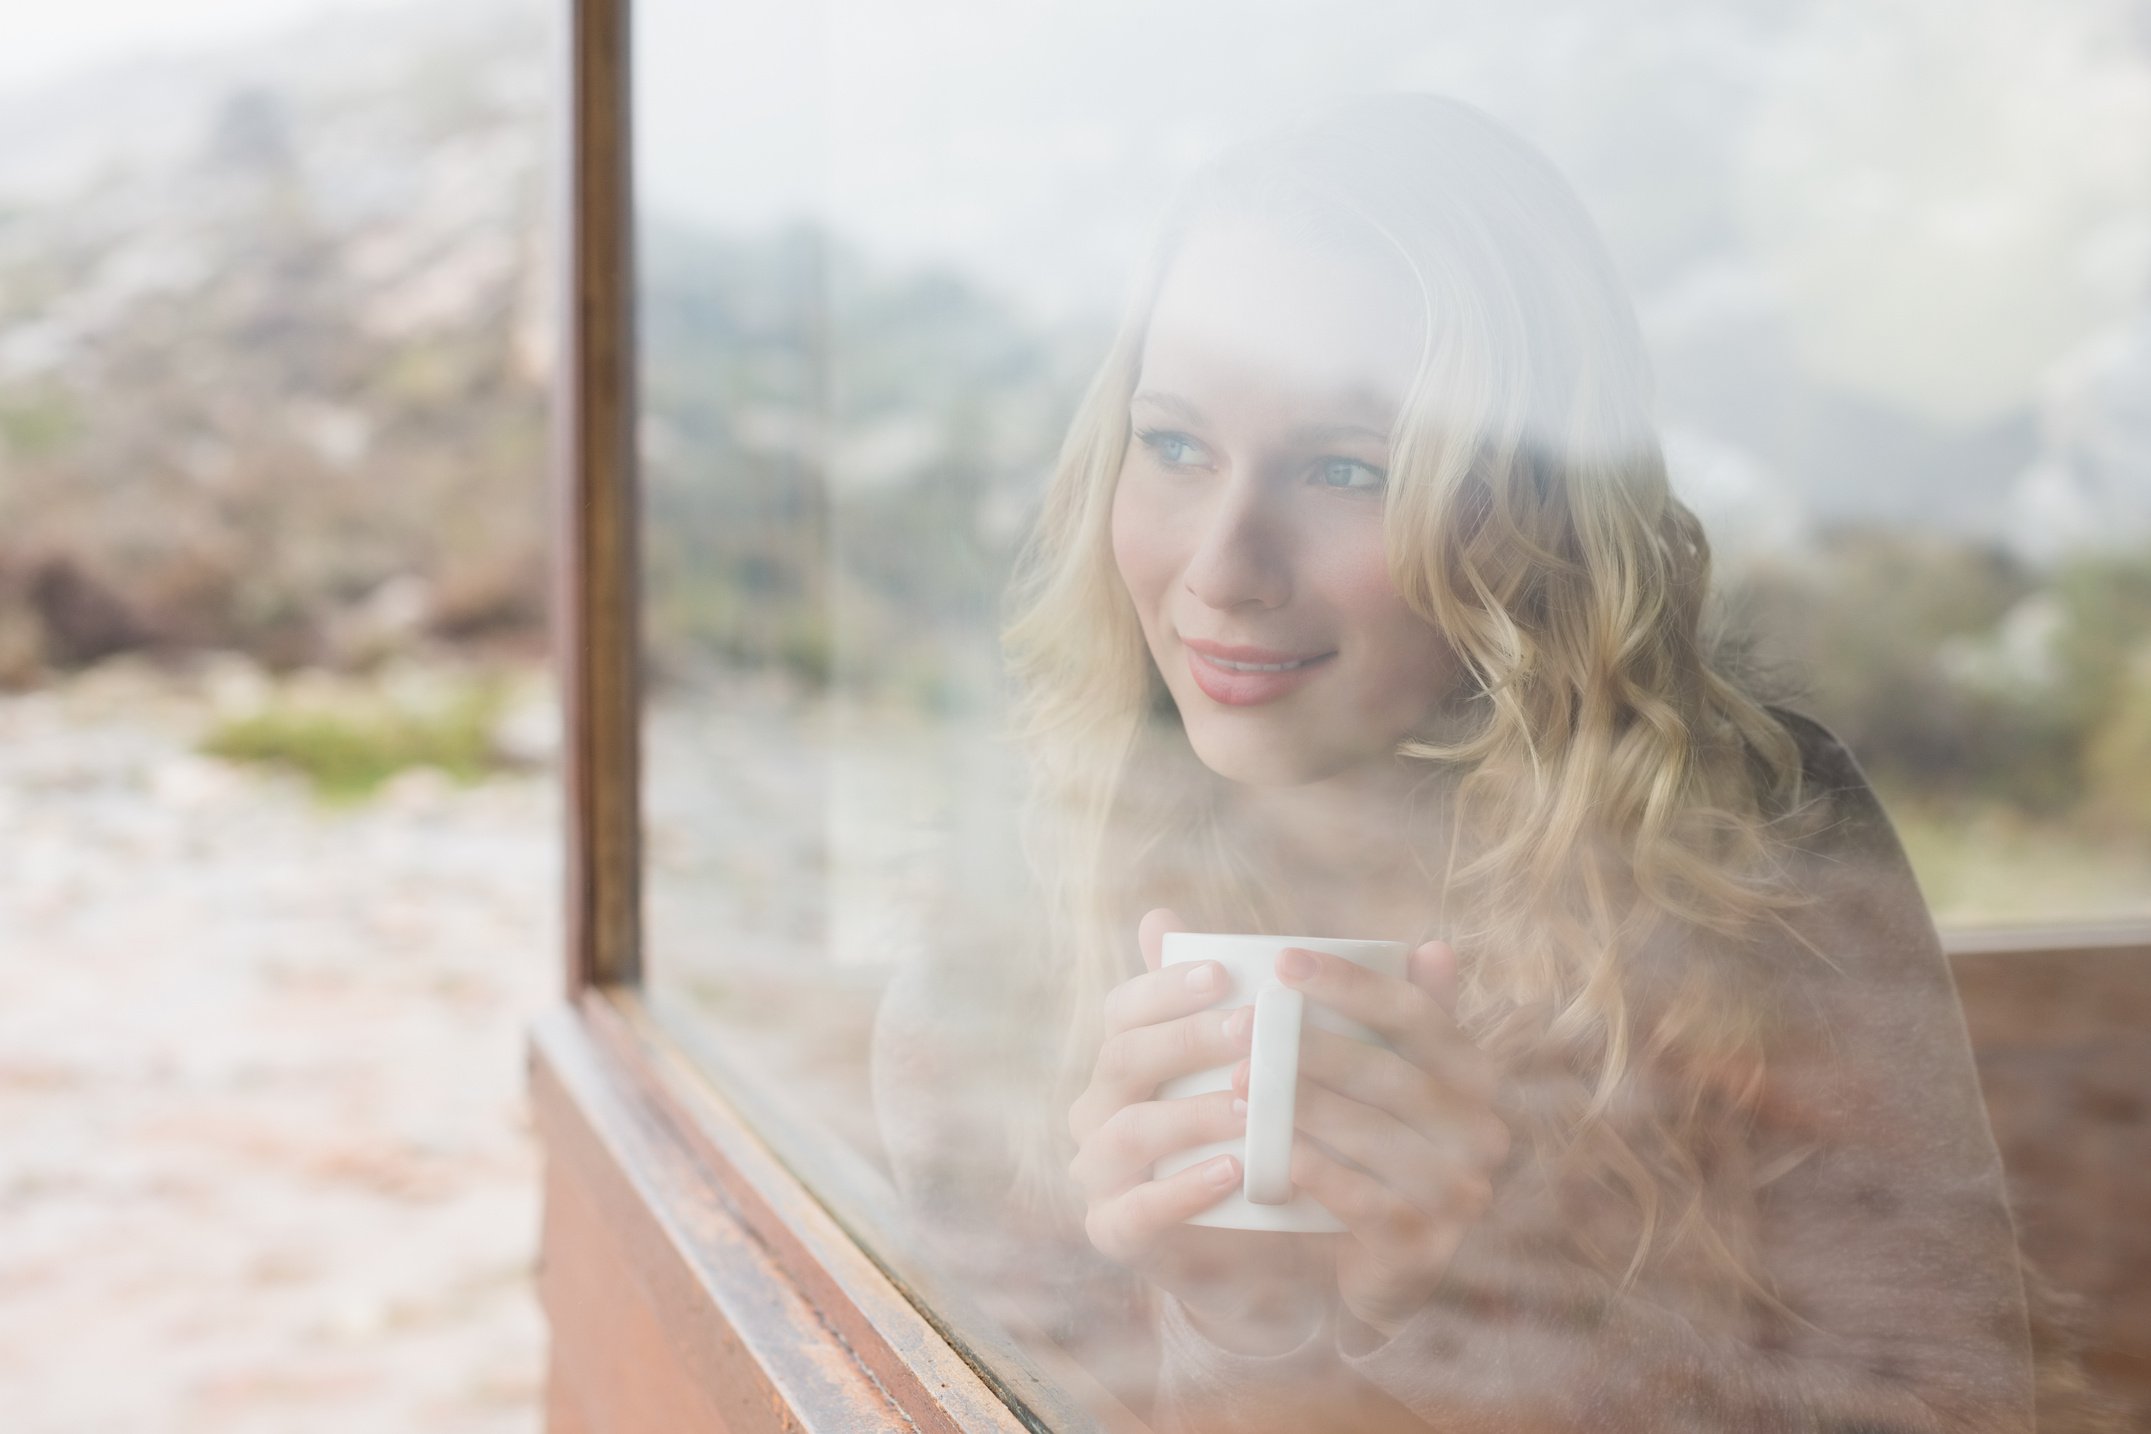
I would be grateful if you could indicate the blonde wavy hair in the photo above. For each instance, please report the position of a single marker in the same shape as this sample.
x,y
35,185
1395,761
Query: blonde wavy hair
x,y
1613,794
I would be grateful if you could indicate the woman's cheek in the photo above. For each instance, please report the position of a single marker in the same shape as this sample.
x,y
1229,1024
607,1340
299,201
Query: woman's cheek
x,y
1141,549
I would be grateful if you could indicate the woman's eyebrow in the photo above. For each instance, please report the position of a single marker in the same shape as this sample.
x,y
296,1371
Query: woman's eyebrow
x,y
1306,433
1170,402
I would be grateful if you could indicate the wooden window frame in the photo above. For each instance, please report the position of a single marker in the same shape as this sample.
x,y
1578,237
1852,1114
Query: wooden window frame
x,y
690,1280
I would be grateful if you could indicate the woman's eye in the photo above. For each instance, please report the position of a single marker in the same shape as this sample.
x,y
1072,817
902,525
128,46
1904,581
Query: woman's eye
x,y
1176,449
1349,474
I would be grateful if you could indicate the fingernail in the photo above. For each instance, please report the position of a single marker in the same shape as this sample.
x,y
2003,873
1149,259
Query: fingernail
x,y
1203,978
1219,1171
1239,1106
1240,1025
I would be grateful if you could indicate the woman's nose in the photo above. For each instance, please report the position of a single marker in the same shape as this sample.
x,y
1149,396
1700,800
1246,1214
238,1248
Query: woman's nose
x,y
1241,552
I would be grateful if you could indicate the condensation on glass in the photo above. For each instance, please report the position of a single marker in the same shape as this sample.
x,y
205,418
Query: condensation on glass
x,y
1889,265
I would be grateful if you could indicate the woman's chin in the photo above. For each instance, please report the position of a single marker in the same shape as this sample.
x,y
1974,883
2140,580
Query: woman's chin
x,y
1265,763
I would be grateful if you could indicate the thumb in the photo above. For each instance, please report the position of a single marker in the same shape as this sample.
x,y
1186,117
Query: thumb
x,y
1150,933
1433,970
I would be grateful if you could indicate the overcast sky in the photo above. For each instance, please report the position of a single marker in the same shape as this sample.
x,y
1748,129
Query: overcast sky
x,y
45,40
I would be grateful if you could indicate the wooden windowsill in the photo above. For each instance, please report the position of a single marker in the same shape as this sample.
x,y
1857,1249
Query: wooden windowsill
x,y
726,1290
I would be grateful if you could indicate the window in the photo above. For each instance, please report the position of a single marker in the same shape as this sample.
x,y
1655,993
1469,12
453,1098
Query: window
x,y
842,273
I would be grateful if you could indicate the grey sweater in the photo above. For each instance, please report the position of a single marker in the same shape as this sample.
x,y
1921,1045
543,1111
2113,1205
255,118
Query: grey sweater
x,y
1872,1181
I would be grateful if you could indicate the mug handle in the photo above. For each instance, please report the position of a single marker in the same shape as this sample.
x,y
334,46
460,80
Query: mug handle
x,y
1272,1090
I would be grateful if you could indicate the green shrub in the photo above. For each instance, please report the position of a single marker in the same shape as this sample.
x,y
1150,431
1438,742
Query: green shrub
x,y
348,751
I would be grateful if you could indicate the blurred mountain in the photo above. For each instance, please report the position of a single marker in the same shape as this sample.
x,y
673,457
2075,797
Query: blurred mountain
x,y
273,330
839,457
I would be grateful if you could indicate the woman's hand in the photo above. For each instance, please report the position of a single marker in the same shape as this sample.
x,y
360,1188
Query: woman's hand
x,y
1254,1290
1419,1117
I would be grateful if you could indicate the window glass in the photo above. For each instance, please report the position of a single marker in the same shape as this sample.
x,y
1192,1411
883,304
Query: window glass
x,y
1888,265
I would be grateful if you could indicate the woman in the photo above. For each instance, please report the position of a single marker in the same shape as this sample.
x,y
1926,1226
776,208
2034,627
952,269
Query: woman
x,y
1360,607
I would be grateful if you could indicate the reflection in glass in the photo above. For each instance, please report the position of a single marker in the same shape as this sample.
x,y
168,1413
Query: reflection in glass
x,y
900,328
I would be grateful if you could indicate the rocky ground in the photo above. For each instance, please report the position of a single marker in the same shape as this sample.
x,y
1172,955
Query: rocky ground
x,y
265,1157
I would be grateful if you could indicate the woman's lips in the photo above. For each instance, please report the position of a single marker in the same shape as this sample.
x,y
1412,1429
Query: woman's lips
x,y
1233,675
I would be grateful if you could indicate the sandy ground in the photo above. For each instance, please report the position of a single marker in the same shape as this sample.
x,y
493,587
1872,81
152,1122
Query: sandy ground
x,y
265,1157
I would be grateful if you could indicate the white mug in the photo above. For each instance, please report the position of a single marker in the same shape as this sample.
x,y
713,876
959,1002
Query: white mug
x,y
1266,1199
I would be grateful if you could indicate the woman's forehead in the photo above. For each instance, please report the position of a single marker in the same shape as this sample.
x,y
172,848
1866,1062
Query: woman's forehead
x,y
1244,308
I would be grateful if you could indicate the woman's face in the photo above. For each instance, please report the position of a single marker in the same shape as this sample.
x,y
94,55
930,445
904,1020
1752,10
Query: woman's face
x,y
1247,521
